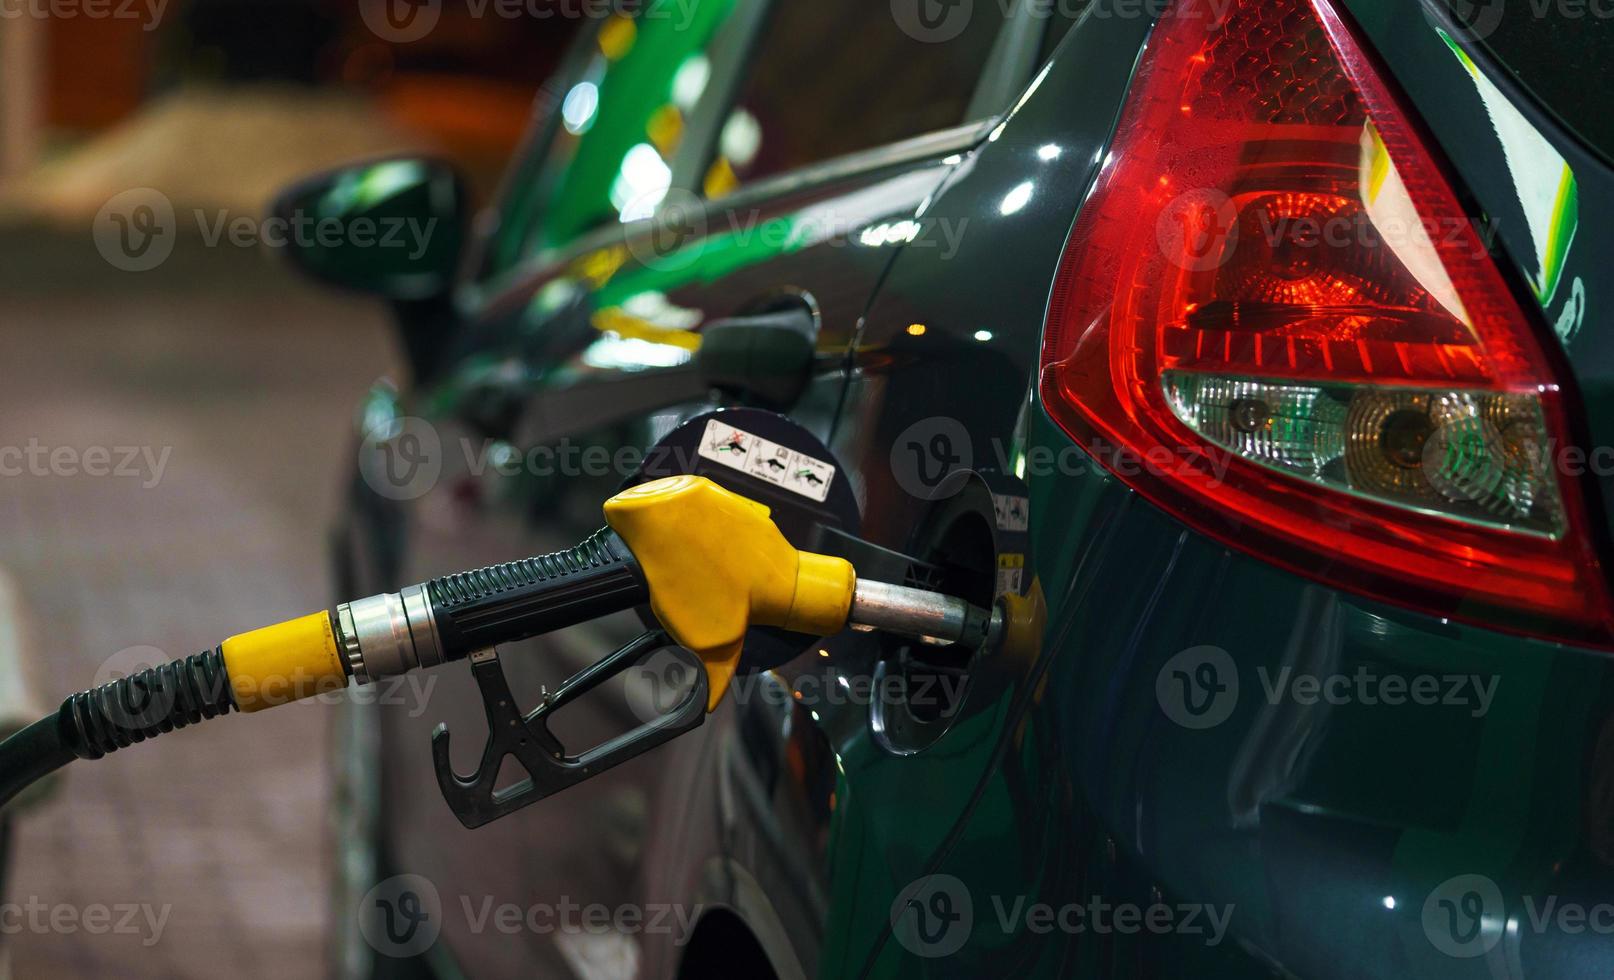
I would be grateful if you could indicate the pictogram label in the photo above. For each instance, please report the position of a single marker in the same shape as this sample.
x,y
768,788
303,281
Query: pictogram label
x,y
767,461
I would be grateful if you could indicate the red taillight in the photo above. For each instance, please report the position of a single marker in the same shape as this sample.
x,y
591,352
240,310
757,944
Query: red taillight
x,y
1273,309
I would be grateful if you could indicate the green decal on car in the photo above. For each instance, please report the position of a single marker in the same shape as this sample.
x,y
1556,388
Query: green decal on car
x,y
1543,180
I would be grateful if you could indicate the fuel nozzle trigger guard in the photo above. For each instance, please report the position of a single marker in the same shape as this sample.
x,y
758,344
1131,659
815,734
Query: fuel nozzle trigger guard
x,y
550,767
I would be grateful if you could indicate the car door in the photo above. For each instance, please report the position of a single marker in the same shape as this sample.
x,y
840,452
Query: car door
x,y
740,160
943,825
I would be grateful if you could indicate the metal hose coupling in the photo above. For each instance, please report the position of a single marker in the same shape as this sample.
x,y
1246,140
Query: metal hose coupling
x,y
389,634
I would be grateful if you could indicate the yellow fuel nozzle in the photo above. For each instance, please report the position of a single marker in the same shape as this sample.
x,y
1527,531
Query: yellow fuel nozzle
x,y
711,563
717,565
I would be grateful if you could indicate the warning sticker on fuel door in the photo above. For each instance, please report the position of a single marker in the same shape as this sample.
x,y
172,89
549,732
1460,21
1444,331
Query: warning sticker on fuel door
x,y
767,461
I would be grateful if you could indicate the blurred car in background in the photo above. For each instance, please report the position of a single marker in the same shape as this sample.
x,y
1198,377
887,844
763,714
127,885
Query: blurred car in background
x,y
1236,338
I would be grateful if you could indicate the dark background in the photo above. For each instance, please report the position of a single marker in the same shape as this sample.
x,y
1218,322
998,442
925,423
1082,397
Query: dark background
x,y
248,379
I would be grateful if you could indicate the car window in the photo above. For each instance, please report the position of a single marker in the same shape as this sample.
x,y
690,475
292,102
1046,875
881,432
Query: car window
x,y
831,77
617,126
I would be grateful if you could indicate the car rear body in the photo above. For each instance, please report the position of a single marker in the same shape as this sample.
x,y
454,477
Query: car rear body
x,y
1047,810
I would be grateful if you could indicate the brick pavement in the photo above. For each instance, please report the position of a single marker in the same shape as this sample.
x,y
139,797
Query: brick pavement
x,y
238,384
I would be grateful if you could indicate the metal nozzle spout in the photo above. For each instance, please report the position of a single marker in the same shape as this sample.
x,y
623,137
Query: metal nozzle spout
x,y
929,616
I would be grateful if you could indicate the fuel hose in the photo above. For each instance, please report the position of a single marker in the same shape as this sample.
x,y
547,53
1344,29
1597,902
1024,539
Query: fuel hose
x,y
710,564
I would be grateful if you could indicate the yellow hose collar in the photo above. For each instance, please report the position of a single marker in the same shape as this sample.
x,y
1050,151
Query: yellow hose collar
x,y
284,663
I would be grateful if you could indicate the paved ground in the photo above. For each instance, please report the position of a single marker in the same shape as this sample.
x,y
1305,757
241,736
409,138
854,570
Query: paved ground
x,y
236,386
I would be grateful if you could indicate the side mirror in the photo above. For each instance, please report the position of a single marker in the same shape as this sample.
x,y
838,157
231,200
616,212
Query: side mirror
x,y
392,227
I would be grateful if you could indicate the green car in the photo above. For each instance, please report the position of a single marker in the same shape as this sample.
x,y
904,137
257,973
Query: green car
x,y
1247,346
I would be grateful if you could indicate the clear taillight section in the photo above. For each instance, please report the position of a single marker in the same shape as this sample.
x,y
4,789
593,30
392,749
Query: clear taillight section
x,y
1469,455
1273,278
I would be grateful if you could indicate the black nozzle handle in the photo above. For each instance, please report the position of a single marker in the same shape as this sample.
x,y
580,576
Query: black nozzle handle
x,y
503,603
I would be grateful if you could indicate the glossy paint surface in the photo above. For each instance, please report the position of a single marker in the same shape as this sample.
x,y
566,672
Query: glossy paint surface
x,y
1161,748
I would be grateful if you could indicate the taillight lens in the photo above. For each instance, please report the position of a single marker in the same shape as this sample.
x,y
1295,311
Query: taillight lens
x,y
1274,312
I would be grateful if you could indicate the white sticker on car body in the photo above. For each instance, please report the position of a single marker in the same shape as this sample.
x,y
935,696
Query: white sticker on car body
x,y
1011,573
1013,512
